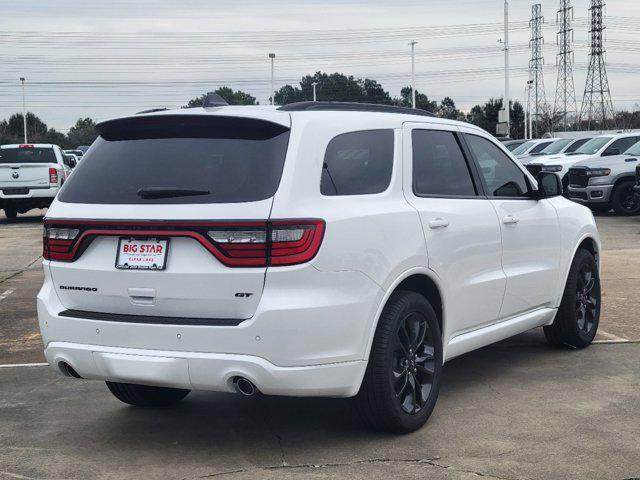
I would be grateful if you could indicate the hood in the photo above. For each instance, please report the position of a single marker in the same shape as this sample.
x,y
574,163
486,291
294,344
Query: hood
x,y
602,162
562,159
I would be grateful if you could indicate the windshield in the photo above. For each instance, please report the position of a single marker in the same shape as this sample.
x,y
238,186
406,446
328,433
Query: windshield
x,y
593,146
512,146
523,148
576,145
557,146
633,150
540,146
27,155
180,159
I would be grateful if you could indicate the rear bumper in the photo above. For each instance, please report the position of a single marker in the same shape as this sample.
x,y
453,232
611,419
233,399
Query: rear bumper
x,y
36,198
205,371
591,194
308,337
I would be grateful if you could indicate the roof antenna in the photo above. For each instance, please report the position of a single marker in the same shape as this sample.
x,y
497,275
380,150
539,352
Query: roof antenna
x,y
214,100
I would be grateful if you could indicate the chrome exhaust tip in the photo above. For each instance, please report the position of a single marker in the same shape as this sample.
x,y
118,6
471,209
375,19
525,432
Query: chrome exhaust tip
x,y
67,370
244,386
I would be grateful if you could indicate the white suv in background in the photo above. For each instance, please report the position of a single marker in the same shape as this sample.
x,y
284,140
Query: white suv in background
x,y
316,249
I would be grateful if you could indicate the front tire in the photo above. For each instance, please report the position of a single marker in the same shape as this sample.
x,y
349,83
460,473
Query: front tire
x,y
624,200
146,396
401,384
10,212
576,322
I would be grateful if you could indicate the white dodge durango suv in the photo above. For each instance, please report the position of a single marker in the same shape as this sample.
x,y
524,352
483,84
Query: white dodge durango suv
x,y
315,249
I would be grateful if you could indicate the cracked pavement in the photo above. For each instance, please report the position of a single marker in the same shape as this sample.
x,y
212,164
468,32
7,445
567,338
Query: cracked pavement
x,y
515,410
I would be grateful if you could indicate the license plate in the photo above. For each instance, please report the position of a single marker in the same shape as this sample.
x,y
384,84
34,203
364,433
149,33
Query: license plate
x,y
147,254
16,191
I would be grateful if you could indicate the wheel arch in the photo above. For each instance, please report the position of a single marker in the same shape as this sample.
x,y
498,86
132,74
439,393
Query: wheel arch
x,y
623,178
587,242
420,280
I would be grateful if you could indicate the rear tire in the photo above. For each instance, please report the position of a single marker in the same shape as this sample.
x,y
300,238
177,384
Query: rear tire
x,y
624,200
146,396
10,212
576,322
401,384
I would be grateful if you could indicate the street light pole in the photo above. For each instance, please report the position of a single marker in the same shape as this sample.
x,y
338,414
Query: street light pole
x,y
24,111
314,91
526,125
506,67
530,85
272,56
413,73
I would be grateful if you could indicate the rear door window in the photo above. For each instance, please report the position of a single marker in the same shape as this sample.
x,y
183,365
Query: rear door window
x,y
358,163
180,159
27,155
439,167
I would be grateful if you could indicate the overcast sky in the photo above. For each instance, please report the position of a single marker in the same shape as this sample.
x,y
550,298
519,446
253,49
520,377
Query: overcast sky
x,y
108,58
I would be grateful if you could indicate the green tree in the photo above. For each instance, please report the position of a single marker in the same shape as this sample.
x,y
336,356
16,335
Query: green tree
x,y
15,129
447,109
82,133
422,101
334,87
232,97
486,116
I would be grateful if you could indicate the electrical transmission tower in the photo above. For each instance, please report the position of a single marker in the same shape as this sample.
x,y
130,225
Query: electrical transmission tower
x,y
536,64
565,106
597,107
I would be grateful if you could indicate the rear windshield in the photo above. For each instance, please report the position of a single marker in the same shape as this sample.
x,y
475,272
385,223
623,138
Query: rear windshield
x,y
28,155
181,159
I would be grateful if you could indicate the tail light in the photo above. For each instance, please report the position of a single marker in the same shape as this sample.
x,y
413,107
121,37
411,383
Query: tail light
x,y
234,244
53,176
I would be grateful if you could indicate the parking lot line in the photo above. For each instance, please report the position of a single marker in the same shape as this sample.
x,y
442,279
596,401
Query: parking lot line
x,y
10,365
5,294
611,338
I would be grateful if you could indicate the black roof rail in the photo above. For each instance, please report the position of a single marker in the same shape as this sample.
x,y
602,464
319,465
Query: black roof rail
x,y
151,110
352,107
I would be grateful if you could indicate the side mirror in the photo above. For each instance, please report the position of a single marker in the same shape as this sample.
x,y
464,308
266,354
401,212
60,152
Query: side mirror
x,y
549,185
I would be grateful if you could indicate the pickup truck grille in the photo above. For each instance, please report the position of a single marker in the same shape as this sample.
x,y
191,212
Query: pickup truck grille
x,y
578,177
580,195
534,169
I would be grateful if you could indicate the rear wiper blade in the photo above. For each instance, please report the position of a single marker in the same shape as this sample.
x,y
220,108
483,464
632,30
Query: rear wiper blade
x,y
169,192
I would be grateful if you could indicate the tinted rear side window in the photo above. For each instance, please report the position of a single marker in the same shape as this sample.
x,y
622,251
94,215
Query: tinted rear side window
x,y
27,155
233,159
439,167
358,163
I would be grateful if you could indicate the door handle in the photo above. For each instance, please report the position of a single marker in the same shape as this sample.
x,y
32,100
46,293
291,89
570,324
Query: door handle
x,y
438,223
510,220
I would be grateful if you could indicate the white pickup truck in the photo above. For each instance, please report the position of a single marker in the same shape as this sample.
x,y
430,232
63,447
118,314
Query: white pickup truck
x,y
30,176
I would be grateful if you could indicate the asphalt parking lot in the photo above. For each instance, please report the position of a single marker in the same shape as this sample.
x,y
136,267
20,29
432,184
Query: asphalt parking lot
x,y
515,410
